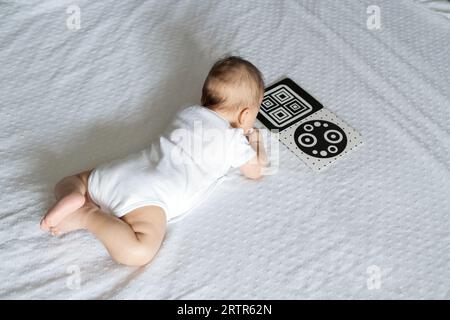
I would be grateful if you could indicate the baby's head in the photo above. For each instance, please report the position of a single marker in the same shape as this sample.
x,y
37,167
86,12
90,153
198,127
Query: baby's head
x,y
234,88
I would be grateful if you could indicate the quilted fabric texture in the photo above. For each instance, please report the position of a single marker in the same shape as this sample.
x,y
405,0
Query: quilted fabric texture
x,y
374,225
439,6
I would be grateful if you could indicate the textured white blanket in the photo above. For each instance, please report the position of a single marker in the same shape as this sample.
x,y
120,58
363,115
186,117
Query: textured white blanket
x,y
375,225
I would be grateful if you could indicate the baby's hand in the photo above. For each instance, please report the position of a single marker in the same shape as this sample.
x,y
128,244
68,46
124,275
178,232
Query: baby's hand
x,y
253,135
253,169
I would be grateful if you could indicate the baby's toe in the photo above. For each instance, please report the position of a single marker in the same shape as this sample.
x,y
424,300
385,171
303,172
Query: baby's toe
x,y
45,225
55,231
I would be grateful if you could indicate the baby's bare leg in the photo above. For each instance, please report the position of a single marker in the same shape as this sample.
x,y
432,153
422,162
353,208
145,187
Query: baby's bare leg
x,y
133,240
70,195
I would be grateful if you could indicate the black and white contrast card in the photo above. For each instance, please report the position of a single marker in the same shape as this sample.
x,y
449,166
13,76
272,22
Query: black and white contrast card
x,y
284,104
314,134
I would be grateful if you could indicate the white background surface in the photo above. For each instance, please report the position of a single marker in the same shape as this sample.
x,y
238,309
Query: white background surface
x,y
70,100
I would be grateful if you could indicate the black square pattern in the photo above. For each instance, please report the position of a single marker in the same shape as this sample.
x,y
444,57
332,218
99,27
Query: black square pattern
x,y
284,104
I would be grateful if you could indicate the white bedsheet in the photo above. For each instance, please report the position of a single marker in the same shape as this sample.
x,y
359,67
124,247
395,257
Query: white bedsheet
x,y
72,99
440,6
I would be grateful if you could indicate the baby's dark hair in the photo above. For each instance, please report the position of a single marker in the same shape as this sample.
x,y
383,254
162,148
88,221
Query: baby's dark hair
x,y
232,82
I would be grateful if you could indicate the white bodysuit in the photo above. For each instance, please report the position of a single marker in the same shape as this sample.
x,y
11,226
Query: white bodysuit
x,y
177,170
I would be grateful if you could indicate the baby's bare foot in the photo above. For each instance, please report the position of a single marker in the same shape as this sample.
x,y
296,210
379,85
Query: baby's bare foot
x,y
65,206
74,221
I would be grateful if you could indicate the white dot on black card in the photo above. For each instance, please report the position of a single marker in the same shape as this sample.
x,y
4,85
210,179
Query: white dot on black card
x,y
332,149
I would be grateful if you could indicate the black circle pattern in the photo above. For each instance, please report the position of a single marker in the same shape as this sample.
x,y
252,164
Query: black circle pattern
x,y
317,142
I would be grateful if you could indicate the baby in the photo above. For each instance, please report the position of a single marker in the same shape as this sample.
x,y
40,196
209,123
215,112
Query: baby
x,y
126,203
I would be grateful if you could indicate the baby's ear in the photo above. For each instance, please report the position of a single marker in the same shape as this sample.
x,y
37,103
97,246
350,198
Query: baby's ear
x,y
244,113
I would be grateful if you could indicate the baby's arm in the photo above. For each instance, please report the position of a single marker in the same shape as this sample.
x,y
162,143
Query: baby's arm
x,y
254,167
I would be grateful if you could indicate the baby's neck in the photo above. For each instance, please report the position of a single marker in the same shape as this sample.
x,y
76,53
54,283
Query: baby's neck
x,y
227,116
